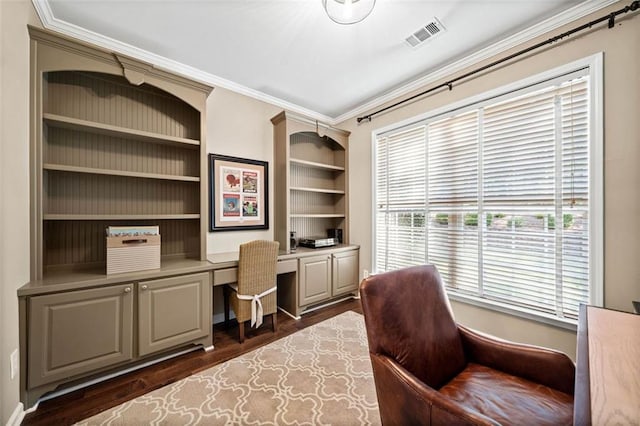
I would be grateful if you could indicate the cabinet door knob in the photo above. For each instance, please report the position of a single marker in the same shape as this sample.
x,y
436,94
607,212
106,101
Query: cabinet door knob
x,y
144,286
127,289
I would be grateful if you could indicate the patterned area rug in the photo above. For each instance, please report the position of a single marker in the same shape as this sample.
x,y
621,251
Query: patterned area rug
x,y
320,375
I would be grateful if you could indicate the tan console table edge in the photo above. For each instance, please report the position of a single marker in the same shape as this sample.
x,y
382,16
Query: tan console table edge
x,y
608,372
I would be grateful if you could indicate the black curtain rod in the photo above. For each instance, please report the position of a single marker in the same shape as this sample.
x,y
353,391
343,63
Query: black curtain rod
x,y
449,84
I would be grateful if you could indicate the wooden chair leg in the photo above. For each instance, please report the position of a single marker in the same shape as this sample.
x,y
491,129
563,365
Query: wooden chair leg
x,y
225,296
274,321
241,330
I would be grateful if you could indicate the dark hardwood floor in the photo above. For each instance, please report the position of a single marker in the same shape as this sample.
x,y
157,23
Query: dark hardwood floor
x,y
83,403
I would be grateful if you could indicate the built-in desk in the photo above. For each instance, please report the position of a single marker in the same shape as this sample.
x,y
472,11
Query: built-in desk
x,y
225,266
608,368
306,278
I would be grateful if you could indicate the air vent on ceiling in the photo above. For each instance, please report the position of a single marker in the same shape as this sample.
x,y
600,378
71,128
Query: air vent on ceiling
x,y
426,32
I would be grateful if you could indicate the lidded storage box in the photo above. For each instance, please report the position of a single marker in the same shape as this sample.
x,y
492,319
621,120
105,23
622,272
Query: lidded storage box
x,y
131,249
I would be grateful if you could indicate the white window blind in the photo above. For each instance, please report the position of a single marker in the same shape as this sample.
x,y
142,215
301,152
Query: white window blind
x,y
453,199
496,195
401,195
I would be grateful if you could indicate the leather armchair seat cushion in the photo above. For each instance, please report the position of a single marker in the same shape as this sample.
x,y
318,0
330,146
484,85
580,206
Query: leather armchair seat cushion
x,y
509,399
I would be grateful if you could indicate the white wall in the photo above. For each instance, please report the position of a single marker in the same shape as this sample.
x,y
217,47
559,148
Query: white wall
x,y
621,173
14,184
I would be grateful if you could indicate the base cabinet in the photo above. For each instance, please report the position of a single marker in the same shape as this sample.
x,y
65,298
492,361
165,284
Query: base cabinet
x,y
80,333
345,272
325,276
315,279
172,311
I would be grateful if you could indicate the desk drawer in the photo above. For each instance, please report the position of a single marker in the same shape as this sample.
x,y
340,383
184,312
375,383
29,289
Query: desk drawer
x,y
285,266
225,276
230,275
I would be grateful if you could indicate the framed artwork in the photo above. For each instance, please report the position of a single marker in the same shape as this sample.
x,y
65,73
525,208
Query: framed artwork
x,y
238,193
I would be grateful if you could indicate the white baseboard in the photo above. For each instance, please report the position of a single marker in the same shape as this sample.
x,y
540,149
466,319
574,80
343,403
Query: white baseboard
x,y
116,373
17,416
219,318
333,302
289,313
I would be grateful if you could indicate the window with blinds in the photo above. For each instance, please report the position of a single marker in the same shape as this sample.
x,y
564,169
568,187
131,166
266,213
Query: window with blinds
x,y
496,195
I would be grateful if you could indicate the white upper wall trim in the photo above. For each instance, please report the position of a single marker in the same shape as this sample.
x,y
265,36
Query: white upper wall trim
x,y
566,17
51,22
527,83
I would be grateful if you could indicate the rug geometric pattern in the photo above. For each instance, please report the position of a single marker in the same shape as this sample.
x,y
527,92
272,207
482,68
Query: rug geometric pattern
x,y
320,375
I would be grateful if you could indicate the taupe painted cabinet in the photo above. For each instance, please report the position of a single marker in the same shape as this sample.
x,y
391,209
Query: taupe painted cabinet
x,y
314,279
69,333
83,331
172,311
78,332
326,276
114,142
345,272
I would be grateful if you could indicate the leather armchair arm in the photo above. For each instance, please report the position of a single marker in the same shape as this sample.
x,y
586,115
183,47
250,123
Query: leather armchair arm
x,y
540,365
405,400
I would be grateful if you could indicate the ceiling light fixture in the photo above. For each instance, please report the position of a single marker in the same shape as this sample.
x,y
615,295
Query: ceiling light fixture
x,y
347,12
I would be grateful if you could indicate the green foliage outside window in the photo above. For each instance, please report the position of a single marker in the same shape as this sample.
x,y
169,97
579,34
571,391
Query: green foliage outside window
x,y
442,218
567,220
515,221
414,220
471,219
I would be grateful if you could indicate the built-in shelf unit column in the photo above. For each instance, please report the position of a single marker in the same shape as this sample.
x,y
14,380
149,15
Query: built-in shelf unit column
x,y
312,168
115,142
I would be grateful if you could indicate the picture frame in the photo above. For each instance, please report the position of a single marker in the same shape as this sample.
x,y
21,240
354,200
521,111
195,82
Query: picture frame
x,y
238,193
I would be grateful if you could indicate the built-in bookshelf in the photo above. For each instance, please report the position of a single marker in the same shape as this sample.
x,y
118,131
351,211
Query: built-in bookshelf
x,y
116,143
312,165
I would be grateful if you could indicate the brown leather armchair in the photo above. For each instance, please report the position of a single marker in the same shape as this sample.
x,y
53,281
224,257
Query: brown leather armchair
x,y
430,370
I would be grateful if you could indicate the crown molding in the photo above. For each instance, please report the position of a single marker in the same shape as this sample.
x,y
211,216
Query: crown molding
x,y
51,22
566,17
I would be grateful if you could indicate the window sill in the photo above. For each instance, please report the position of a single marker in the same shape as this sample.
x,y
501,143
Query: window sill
x,y
566,324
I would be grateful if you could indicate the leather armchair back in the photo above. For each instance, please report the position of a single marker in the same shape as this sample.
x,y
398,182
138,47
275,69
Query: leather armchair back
x,y
435,354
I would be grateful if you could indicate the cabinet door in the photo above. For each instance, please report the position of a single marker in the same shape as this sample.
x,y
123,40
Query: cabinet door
x,y
345,272
173,311
79,331
315,279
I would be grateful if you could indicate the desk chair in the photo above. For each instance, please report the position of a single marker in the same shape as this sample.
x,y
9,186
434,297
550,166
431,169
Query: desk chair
x,y
254,295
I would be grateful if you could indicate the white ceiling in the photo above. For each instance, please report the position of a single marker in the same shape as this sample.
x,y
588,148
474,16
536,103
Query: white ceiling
x,y
290,53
